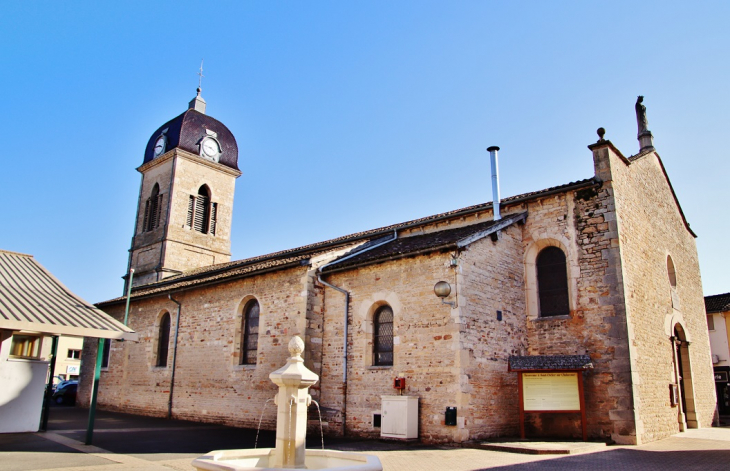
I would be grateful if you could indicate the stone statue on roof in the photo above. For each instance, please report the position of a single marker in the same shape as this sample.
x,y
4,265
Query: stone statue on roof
x,y
641,115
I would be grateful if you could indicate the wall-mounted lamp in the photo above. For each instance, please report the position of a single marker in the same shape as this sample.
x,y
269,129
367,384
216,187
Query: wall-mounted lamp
x,y
443,290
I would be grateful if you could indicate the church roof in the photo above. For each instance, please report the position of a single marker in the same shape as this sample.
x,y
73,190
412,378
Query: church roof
x,y
448,239
187,130
717,303
31,299
301,255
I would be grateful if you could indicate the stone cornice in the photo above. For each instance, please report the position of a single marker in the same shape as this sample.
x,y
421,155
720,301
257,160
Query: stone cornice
x,y
189,156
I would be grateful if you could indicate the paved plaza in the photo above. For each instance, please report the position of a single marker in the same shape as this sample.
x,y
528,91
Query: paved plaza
x,y
127,442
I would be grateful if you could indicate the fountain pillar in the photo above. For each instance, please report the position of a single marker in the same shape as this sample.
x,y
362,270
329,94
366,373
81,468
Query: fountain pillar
x,y
292,400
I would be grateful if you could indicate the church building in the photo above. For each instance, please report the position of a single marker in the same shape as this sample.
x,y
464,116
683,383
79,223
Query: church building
x,y
596,279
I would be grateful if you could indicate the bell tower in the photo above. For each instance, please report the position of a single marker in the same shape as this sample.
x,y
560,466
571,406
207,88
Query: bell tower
x,y
186,197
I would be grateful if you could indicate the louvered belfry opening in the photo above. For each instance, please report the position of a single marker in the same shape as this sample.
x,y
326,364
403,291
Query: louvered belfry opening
x,y
152,210
383,336
552,282
202,213
250,333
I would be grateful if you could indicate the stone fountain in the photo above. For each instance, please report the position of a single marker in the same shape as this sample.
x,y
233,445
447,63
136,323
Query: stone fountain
x,y
292,401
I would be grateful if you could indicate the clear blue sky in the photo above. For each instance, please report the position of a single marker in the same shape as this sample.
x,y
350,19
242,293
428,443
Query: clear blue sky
x,y
349,115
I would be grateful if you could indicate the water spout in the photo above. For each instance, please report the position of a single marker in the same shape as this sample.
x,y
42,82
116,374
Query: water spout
x,y
256,443
321,432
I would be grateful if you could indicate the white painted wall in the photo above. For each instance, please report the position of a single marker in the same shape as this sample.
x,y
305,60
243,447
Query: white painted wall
x,y
21,395
64,364
718,341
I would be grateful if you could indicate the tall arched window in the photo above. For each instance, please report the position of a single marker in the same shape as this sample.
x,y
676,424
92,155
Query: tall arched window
x,y
202,213
163,340
383,336
250,333
552,282
152,210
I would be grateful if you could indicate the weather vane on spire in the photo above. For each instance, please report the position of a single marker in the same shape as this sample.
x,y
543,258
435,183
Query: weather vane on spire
x,y
200,77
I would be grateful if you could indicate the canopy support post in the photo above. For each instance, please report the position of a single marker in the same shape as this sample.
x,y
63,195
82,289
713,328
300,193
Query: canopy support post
x,y
49,385
94,391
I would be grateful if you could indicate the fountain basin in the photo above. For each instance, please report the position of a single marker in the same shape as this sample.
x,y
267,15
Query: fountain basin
x,y
258,459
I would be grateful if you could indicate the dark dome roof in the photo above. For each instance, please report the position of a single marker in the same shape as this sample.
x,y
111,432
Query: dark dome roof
x,y
187,130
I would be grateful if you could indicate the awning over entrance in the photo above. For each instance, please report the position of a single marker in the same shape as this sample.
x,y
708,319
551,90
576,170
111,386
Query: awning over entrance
x,y
32,299
550,363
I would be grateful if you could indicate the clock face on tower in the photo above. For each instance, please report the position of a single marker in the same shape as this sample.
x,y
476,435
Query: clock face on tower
x,y
160,146
209,149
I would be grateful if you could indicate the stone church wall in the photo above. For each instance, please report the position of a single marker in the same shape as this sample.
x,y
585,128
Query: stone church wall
x,y
426,345
582,224
652,229
210,385
490,280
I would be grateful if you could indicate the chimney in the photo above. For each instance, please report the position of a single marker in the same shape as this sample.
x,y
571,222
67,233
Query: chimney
x,y
495,180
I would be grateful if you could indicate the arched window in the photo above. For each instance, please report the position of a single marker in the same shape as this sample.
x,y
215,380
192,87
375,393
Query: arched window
x,y
552,282
671,272
163,340
383,336
250,333
202,213
152,210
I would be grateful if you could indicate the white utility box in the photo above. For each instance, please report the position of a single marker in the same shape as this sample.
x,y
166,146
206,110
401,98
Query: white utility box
x,y
399,417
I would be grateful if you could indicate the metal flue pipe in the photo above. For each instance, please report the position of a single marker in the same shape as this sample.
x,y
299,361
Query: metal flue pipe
x,y
494,161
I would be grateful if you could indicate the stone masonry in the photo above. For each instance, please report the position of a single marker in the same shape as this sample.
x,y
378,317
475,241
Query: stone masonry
x,y
173,247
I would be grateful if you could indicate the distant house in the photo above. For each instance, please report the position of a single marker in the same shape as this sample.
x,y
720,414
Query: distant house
x,y
68,358
34,308
718,323
601,273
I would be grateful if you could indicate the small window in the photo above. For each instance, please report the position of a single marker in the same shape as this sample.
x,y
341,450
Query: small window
x,y
105,353
250,333
671,272
163,340
26,346
552,282
73,354
710,322
383,336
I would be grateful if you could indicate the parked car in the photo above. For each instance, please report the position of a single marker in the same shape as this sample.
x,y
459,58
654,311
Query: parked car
x,y
64,382
66,394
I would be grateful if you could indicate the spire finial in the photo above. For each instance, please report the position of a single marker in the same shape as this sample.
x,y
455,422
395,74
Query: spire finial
x,y
197,103
200,78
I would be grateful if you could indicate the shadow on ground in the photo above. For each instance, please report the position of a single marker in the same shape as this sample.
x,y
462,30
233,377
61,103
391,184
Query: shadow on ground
x,y
139,435
631,459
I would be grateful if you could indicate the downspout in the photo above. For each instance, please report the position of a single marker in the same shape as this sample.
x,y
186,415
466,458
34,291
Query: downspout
x,y
174,355
346,315
129,293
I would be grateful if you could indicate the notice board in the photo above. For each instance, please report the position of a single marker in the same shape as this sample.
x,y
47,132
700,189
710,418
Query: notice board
x,y
551,391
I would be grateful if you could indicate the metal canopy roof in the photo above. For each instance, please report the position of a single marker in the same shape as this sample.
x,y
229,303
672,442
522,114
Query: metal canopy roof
x,y
32,299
